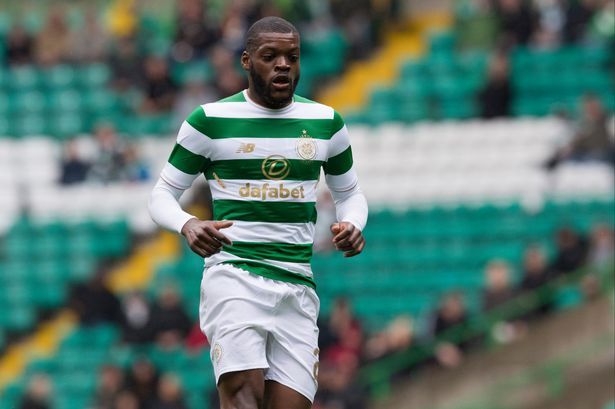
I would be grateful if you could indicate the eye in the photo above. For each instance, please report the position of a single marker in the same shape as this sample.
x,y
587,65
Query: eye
x,y
294,58
267,57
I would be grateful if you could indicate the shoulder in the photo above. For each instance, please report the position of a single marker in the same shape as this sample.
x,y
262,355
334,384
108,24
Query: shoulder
x,y
320,111
202,114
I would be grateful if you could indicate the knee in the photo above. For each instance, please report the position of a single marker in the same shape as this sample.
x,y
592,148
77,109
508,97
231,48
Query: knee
x,y
241,391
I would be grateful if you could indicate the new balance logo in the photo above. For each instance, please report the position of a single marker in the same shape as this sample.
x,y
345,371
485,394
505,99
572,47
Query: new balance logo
x,y
246,148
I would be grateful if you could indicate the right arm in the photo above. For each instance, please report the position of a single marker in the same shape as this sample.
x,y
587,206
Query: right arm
x,y
186,162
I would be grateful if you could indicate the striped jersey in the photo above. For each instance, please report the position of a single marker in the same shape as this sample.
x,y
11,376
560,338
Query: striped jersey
x,y
262,166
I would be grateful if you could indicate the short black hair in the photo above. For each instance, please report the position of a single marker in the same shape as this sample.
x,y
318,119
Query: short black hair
x,y
269,24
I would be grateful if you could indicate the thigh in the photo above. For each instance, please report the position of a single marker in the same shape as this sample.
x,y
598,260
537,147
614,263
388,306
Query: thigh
x,y
242,389
292,347
234,320
278,396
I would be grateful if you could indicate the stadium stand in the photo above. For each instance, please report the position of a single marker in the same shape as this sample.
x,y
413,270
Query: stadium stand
x,y
448,192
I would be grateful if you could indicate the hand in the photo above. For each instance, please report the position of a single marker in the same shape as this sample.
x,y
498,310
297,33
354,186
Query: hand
x,y
204,237
347,238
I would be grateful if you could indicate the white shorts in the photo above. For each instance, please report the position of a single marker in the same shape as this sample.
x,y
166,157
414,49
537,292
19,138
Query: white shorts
x,y
254,322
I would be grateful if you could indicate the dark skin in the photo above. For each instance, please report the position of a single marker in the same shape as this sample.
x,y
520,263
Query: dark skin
x,y
273,72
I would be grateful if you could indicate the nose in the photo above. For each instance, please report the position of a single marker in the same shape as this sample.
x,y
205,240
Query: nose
x,y
282,64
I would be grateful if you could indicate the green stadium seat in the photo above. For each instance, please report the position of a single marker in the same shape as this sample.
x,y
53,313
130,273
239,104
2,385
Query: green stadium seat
x,y
24,78
93,76
58,77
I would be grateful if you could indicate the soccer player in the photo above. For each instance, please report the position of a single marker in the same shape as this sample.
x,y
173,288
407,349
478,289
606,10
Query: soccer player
x,y
262,151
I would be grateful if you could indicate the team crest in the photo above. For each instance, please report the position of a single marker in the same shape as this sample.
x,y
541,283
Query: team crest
x,y
306,147
217,353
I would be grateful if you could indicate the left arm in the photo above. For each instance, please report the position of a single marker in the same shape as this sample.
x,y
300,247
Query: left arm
x,y
350,204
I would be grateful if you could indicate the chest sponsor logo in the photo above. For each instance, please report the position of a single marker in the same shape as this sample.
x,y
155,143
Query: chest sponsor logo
x,y
266,191
275,167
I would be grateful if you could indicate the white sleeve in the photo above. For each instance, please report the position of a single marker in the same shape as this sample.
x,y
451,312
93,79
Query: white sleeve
x,y
342,180
164,207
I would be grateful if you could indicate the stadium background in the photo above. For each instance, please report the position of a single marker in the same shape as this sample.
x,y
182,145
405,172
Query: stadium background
x,y
487,281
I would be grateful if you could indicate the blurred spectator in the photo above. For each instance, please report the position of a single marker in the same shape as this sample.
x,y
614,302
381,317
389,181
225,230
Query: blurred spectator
x,y
341,332
134,168
571,252
195,34
94,302
142,380
602,30
451,314
74,169
196,339
396,337
110,383
19,46
235,23
170,322
476,24
535,269
53,43
551,19
196,91
91,41
495,96
136,319
602,248
170,395
127,400
125,62
160,89
38,394
517,21
498,288
109,163
227,81
578,16
337,386
591,139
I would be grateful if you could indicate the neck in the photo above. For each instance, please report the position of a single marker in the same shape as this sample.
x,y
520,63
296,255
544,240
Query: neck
x,y
258,99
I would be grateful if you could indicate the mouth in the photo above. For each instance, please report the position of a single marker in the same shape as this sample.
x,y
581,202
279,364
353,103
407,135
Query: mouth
x,y
281,82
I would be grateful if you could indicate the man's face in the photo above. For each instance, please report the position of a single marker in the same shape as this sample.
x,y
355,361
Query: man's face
x,y
273,67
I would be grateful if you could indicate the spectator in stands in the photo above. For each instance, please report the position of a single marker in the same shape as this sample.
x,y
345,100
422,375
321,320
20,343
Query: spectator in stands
x,y
476,25
498,288
227,80
73,169
134,168
142,380
196,91
110,383
396,337
495,97
517,21
136,319
19,46
53,43
550,24
125,61
90,42
38,394
127,400
337,385
341,332
170,322
109,163
602,248
592,140
196,340
535,269
578,15
170,395
194,34
602,26
160,89
94,302
571,252
451,314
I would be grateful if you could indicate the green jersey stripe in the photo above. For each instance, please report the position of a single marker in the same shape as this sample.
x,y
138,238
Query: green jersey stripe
x,y
294,169
187,161
286,252
339,164
268,212
220,128
238,97
272,272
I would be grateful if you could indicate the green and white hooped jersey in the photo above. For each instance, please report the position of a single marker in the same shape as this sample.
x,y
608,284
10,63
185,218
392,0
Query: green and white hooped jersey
x,y
263,166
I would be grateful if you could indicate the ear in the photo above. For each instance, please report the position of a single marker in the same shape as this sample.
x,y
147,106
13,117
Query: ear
x,y
246,63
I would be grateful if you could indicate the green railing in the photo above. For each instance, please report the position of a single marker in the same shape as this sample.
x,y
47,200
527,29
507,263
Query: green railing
x,y
377,376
